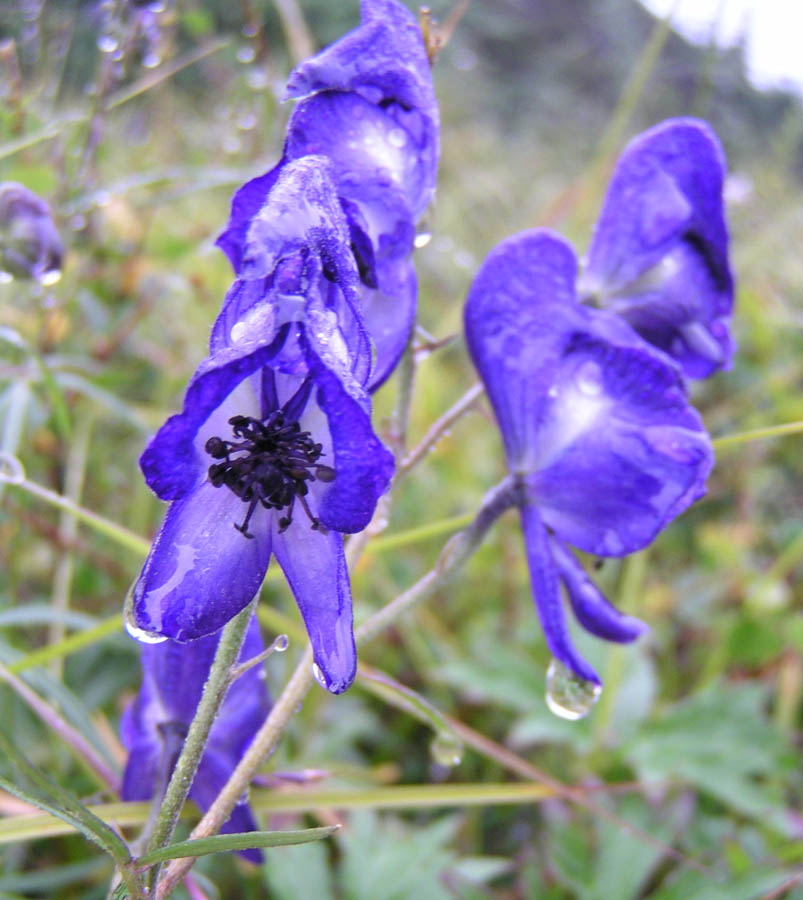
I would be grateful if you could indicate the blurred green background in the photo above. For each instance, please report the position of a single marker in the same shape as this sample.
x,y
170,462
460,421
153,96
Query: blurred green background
x,y
691,759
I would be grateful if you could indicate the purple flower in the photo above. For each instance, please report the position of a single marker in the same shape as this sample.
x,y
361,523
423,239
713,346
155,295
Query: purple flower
x,y
30,246
602,443
659,255
273,451
370,108
154,726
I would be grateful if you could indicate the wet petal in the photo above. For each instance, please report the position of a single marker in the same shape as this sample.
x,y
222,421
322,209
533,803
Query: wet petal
x,y
592,609
659,254
364,466
201,571
546,593
511,340
315,568
619,451
246,203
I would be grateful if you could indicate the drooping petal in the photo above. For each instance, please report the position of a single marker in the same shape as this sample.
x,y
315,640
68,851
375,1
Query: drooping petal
x,y
619,451
315,567
511,341
546,593
364,466
201,571
592,609
659,254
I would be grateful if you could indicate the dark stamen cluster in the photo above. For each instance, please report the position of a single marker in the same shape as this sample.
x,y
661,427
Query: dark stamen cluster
x,y
269,462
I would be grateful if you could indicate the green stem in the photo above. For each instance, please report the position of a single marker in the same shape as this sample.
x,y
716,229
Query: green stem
x,y
217,684
454,554
757,434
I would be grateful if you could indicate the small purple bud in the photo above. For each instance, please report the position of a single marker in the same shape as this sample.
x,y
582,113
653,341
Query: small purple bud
x,y
30,246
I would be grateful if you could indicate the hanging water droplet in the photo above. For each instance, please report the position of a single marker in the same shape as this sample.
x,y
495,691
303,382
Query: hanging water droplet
x,y
250,30
107,43
246,54
246,121
151,59
422,239
49,278
280,643
11,469
5,277
257,79
446,749
139,634
231,144
567,695
318,675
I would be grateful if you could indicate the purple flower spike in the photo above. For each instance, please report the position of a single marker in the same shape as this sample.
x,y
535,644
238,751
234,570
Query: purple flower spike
x,y
273,451
154,726
659,255
369,106
597,429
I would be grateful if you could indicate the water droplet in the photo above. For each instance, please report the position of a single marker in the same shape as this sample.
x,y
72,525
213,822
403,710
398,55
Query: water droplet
x,y
238,331
246,121
246,54
567,695
139,634
446,749
397,138
151,59
589,378
280,643
318,675
422,239
49,278
5,277
231,143
107,43
257,79
250,30
553,391
11,469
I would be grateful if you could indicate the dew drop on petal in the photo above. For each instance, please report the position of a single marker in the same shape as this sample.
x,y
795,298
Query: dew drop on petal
x,y
446,749
139,634
567,695
11,469
238,331
397,138
422,239
318,675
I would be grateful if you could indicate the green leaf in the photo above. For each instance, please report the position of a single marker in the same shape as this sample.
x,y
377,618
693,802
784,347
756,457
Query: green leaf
x,y
302,871
219,843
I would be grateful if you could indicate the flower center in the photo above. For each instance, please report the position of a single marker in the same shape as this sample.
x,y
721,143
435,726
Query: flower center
x,y
269,462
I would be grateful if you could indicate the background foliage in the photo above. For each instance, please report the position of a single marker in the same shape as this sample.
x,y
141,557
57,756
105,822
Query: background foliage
x,y
695,744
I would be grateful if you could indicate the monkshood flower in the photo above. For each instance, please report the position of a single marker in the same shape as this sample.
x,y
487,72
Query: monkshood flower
x,y
603,446
370,108
273,451
30,246
155,725
659,254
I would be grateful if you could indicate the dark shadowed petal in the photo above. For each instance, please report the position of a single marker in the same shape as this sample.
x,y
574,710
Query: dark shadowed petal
x,y
512,342
591,608
212,775
659,254
546,593
389,313
244,206
315,568
201,571
619,450
364,466
142,770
